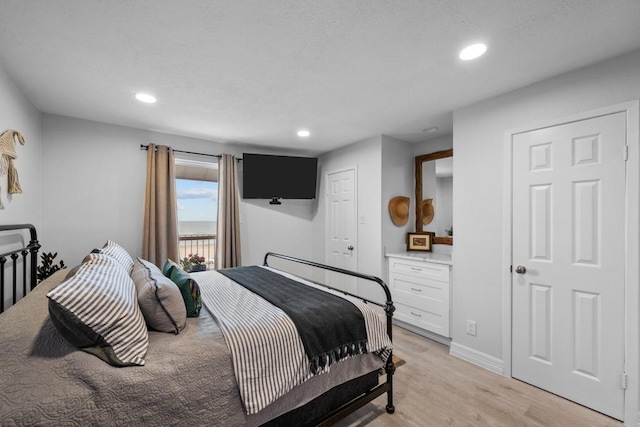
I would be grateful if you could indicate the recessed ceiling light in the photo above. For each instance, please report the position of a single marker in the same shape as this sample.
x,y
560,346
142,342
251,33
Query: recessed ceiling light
x,y
430,130
304,133
145,97
472,52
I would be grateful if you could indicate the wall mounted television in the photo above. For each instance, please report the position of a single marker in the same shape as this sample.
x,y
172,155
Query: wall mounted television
x,y
278,177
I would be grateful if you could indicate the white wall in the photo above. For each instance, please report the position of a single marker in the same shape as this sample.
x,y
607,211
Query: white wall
x,y
478,182
366,157
439,143
397,180
17,112
287,229
94,189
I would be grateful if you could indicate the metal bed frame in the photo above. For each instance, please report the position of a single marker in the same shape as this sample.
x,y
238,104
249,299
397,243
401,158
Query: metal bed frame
x,y
386,387
30,249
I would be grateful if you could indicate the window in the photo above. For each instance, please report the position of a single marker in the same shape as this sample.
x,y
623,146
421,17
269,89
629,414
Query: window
x,y
197,197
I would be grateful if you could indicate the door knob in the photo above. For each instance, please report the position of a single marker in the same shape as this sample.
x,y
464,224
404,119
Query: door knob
x,y
521,269
350,247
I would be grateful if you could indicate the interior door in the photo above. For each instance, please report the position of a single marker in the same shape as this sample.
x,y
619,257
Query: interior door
x,y
568,261
341,228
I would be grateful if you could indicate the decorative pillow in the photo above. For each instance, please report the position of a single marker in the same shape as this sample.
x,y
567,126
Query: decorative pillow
x,y
97,311
119,253
168,266
72,272
159,298
190,291
96,255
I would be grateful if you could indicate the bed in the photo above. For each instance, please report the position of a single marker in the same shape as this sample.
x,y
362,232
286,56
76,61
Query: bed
x,y
186,377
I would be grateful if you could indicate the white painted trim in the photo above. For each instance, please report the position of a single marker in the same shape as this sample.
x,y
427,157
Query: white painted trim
x,y
507,254
632,271
423,332
632,247
476,357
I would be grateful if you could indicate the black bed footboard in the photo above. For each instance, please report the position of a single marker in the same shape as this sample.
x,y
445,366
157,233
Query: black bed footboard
x,y
378,390
18,265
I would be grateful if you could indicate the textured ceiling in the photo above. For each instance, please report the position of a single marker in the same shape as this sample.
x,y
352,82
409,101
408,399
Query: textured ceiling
x,y
256,71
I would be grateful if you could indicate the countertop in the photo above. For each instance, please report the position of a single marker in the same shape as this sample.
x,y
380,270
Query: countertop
x,y
434,257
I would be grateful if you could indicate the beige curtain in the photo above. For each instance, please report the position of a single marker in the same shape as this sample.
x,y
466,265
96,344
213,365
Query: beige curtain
x,y
228,235
160,238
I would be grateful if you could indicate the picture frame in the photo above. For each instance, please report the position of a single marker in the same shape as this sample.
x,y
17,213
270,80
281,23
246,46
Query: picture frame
x,y
420,241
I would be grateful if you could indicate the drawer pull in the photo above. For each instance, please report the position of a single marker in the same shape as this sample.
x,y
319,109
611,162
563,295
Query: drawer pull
x,y
416,269
416,289
416,314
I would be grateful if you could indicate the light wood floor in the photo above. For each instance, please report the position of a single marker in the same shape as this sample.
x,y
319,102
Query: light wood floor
x,y
436,389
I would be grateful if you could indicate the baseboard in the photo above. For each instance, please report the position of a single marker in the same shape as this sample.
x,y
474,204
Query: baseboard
x,y
427,334
477,358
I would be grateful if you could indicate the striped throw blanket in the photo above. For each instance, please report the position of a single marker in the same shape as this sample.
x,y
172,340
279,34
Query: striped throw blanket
x,y
269,358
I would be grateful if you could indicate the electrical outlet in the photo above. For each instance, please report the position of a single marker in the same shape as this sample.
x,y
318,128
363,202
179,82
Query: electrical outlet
x,y
471,327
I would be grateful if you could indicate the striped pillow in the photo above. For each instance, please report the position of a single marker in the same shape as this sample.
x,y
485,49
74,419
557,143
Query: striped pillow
x,y
97,311
119,253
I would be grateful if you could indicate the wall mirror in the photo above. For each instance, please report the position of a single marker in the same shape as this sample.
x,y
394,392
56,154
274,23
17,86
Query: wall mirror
x,y
434,195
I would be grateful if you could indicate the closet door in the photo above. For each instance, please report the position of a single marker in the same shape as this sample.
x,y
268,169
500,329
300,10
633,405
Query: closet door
x,y
341,228
568,261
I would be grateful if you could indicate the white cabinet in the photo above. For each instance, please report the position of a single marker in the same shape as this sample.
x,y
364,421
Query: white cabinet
x,y
421,291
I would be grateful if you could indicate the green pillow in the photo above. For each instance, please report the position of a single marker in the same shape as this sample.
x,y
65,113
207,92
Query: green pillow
x,y
190,291
168,266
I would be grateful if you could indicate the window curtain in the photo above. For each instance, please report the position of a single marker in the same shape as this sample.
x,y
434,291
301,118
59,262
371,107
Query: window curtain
x,y
228,233
160,230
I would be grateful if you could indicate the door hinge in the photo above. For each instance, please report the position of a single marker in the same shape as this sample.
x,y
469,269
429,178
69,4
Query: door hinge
x,y
624,381
626,153
511,269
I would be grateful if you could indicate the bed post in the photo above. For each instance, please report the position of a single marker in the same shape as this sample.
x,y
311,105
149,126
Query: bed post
x,y
34,246
390,368
388,307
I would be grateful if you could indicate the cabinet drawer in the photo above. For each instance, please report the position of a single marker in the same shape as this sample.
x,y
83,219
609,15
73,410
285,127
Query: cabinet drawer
x,y
433,322
418,286
433,271
431,305
428,295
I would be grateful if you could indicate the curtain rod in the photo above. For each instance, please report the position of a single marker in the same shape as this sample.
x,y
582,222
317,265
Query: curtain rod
x,y
146,147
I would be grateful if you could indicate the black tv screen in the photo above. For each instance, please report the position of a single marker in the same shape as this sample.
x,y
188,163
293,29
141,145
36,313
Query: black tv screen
x,y
278,177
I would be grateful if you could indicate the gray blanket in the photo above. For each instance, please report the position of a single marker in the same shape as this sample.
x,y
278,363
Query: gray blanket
x,y
188,378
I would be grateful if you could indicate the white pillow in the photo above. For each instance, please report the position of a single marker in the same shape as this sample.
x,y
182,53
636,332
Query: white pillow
x,y
119,253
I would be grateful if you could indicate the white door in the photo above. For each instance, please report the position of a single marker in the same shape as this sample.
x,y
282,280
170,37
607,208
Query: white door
x,y
568,233
341,227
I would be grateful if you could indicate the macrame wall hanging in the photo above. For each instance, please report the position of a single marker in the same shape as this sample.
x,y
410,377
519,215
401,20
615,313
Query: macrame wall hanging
x,y
8,141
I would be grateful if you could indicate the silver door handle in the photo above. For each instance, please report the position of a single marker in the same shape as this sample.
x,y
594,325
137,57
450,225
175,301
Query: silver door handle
x,y
521,269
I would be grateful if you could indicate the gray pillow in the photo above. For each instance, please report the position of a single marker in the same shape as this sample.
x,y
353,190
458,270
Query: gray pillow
x,y
159,298
97,311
